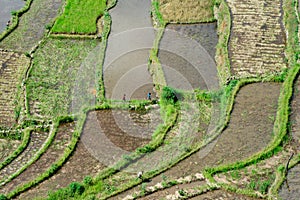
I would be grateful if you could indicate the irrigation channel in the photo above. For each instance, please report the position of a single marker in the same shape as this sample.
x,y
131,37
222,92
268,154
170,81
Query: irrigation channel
x,y
7,6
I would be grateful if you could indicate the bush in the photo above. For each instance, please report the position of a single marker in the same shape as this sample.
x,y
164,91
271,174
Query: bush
x,y
76,188
88,180
3,197
169,95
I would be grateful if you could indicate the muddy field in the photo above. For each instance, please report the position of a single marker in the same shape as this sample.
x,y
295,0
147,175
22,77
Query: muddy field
x,y
111,134
291,189
186,69
56,149
129,75
7,6
32,26
249,131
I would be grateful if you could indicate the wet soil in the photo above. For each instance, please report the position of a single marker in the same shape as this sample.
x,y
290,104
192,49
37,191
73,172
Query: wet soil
x,y
125,66
54,152
203,33
291,189
111,134
31,27
249,131
129,75
7,6
186,69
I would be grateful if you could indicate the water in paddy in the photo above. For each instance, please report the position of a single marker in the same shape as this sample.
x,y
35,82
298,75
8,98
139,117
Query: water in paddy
x,y
5,12
125,65
291,189
187,55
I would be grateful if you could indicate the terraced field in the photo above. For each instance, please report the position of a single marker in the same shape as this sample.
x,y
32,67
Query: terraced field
x,y
221,123
31,28
53,153
37,140
12,71
257,40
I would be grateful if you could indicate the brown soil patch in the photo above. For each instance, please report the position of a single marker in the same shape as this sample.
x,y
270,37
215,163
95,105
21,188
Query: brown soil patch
x,y
257,41
111,134
81,164
12,69
184,11
56,149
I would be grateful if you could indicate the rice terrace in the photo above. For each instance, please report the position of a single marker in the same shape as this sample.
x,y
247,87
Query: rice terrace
x,y
149,99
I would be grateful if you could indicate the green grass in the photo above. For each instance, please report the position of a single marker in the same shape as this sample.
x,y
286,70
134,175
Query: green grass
x,y
80,17
55,71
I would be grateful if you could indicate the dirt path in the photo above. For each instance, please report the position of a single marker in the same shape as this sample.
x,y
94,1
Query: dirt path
x,y
249,131
12,68
53,153
126,59
7,6
257,40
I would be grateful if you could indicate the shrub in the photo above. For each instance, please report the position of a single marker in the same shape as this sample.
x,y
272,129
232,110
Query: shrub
x,y
76,188
169,95
88,180
3,197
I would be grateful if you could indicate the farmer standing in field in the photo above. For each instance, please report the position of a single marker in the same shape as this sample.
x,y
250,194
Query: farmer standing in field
x,y
149,96
124,97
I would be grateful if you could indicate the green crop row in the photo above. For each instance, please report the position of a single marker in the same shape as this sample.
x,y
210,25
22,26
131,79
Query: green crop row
x,y
79,17
15,20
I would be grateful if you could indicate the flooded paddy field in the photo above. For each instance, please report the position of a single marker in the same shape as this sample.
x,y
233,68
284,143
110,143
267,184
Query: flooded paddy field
x,y
186,69
125,66
7,6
